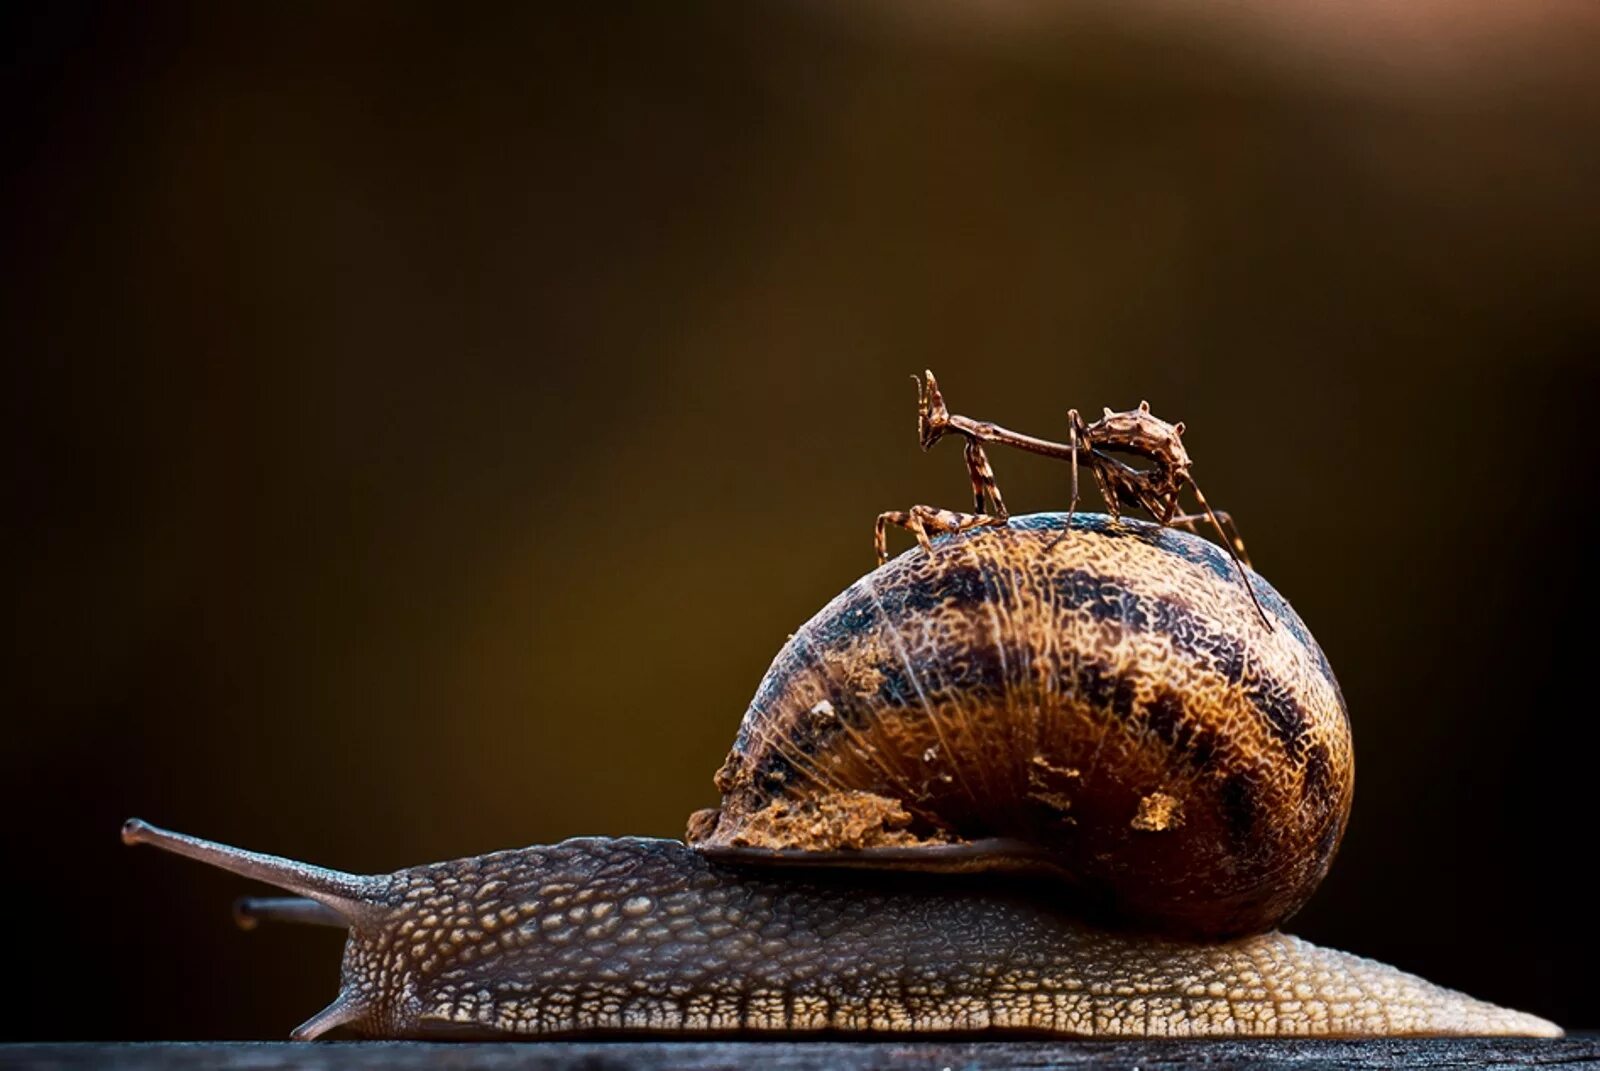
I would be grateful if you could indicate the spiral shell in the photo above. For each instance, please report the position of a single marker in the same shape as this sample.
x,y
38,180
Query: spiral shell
x,y
1104,703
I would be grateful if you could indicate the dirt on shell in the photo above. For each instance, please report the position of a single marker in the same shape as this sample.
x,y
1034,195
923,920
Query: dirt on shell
x,y
835,821
1158,811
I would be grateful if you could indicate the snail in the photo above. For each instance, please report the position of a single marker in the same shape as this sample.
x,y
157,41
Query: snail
x,y
1037,779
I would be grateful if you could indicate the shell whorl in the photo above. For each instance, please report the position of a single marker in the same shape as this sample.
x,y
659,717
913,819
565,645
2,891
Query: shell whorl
x,y
1107,696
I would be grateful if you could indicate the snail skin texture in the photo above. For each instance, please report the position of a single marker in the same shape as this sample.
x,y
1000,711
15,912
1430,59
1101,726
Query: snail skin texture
x,y
1038,782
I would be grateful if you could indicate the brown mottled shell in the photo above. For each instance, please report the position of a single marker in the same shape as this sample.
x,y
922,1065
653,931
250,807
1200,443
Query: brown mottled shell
x,y
1104,703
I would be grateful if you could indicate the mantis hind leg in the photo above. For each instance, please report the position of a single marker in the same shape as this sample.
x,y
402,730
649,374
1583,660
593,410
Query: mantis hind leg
x,y
1230,530
1234,552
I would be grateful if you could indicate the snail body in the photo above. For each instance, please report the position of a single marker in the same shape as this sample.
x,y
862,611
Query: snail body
x,y
1123,776
630,935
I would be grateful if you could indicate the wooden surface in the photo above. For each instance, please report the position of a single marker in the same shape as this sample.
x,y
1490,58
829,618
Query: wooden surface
x,y
1579,1051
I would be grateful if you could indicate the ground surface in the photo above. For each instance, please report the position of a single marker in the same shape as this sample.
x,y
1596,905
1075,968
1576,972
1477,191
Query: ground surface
x,y
1579,1051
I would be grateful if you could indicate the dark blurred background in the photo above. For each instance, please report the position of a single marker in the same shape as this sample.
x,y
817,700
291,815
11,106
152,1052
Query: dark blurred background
x,y
423,425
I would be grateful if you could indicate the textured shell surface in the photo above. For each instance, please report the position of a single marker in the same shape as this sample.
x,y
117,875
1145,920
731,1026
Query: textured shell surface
x,y
1106,695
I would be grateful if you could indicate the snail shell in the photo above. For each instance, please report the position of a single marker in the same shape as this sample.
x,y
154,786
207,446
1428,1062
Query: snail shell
x,y
1102,703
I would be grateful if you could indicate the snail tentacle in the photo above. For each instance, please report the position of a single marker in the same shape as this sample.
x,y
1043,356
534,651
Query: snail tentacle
x,y
250,911
353,897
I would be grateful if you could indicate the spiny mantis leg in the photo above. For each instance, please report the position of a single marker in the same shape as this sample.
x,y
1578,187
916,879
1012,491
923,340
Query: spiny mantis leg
x,y
1228,546
984,489
1073,420
1190,522
922,520
1074,423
